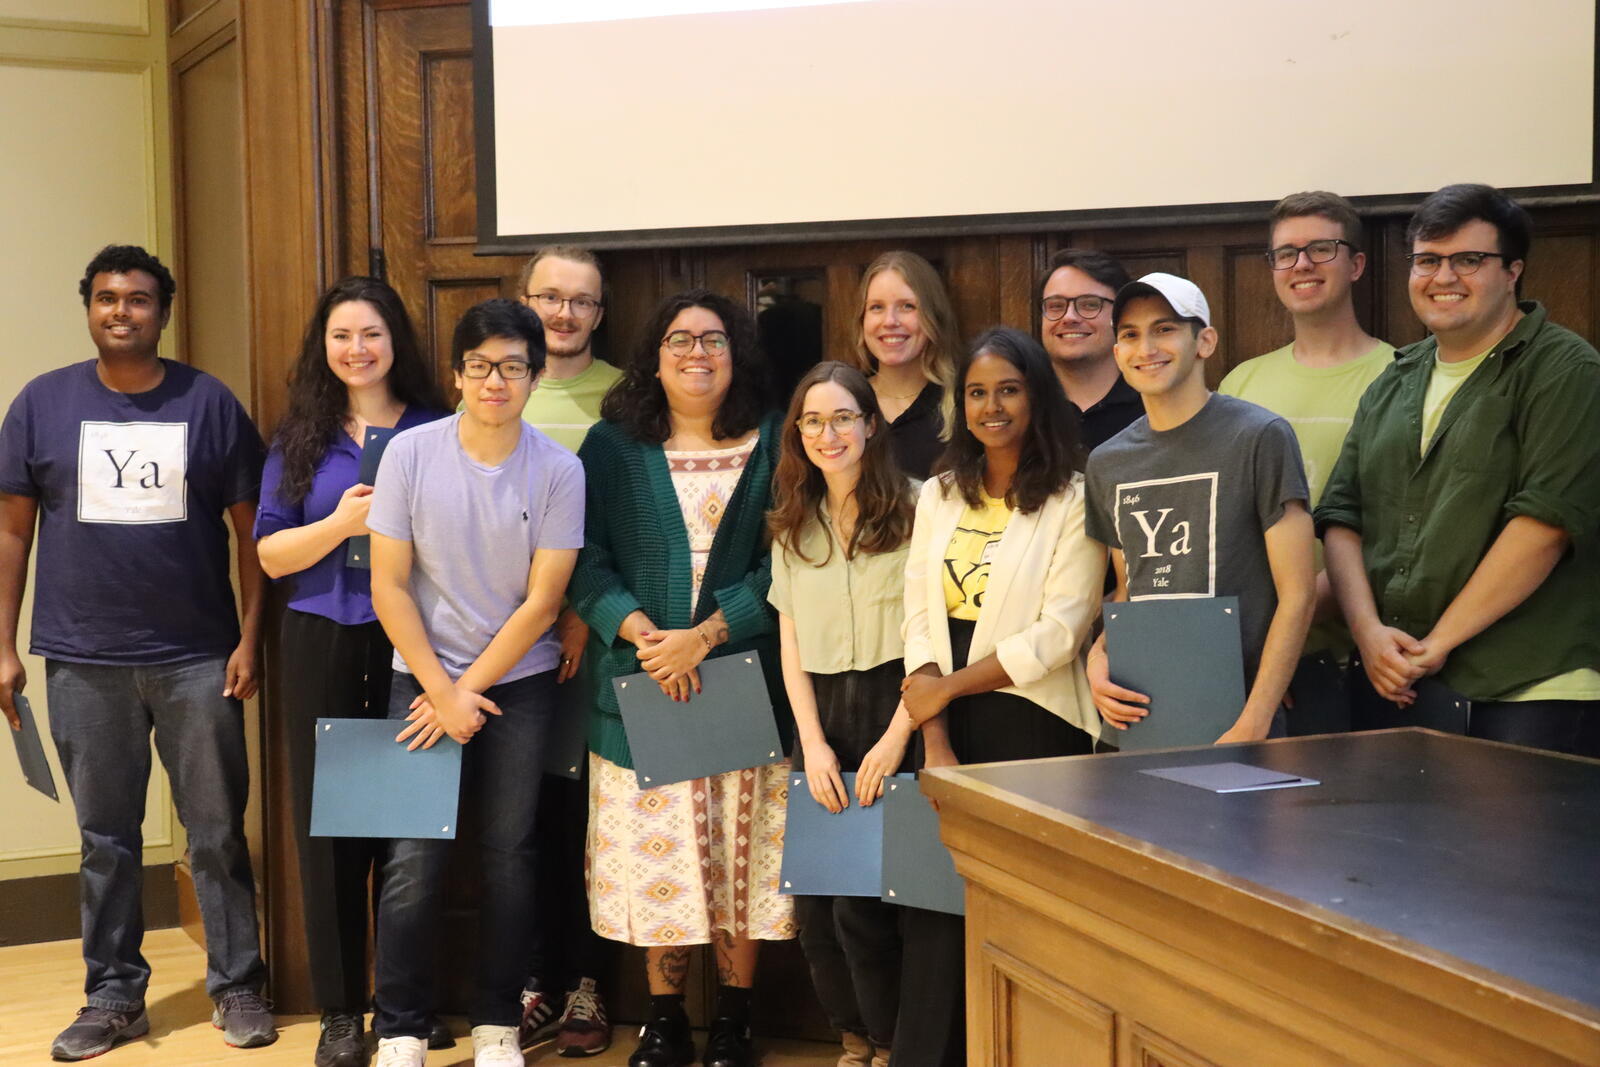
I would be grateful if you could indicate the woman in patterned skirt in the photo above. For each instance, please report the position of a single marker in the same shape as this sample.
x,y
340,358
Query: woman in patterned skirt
x,y
674,570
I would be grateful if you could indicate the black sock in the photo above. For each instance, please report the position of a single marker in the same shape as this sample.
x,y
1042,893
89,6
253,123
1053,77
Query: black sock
x,y
733,1002
668,1006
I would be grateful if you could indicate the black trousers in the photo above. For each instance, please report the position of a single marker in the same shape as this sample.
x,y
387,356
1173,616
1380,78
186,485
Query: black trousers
x,y
989,727
565,946
333,671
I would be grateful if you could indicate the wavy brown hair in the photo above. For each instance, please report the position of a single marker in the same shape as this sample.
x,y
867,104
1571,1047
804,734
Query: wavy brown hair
x,y
884,508
935,315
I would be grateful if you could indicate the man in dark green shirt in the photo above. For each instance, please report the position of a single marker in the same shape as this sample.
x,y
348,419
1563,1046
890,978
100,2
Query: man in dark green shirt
x,y
1462,518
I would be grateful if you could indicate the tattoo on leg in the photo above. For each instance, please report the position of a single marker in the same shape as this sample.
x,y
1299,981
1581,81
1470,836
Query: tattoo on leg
x,y
727,969
672,967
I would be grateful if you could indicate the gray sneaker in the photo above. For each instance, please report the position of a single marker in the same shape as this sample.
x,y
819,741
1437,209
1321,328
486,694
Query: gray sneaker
x,y
245,1019
98,1030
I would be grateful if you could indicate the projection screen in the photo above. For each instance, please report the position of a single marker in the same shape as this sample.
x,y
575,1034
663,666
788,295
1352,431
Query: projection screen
x,y
632,123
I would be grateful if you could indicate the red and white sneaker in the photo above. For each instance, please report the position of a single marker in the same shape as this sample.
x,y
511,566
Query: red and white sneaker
x,y
584,1029
539,1020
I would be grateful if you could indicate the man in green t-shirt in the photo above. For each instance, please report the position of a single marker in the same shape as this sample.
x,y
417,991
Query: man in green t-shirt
x,y
565,287
1461,518
1315,382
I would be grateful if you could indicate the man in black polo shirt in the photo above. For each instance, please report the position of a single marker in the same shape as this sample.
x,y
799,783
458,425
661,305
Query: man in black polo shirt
x,y
1075,327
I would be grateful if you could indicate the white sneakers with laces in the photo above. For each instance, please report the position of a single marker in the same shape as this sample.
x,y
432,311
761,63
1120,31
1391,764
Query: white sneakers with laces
x,y
401,1052
496,1046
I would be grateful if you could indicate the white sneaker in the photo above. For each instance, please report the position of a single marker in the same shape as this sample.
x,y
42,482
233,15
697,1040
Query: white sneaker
x,y
496,1046
401,1052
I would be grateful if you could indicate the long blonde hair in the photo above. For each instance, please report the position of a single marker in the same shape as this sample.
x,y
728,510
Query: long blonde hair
x,y
935,315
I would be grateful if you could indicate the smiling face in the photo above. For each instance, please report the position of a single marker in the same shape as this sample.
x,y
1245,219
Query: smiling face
x,y
494,401
125,316
891,325
1073,339
566,332
995,401
360,350
1465,304
1157,351
697,382
833,452
1309,288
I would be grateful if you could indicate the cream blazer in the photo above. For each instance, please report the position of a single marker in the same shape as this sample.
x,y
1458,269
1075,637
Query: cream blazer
x,y
1046,582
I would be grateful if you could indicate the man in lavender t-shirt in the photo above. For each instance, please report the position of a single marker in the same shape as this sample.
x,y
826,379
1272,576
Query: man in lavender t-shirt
x,y
476,522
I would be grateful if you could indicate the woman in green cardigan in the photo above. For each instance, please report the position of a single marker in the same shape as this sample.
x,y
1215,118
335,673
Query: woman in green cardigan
x,y
675,569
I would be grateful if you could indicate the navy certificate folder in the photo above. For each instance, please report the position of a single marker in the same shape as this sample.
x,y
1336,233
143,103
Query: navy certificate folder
x,y
358,550
727,726
828,854
30,750
1185,655
918,871
367,785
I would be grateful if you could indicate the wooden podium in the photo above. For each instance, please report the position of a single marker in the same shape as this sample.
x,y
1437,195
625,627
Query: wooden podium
x,y
1436,900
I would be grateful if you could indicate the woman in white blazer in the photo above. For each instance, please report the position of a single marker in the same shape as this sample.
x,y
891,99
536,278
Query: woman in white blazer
x,y
1002,586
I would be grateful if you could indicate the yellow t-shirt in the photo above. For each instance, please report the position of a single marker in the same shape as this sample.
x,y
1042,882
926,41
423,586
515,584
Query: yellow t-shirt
x,y
1446,379
967,557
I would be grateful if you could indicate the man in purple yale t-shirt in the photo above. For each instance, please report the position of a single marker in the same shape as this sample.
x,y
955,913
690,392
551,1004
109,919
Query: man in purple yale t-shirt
x,y
128,463
476,523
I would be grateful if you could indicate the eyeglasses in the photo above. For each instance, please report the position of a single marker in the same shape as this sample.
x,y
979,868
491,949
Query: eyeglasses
x,y
549,303
1424,264
1284,257
511,370
681,342
1056,307
841,421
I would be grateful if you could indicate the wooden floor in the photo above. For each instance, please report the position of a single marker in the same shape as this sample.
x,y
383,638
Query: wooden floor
x,y
43,986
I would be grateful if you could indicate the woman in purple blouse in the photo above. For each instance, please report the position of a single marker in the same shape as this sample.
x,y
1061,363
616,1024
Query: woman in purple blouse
x,y
360,366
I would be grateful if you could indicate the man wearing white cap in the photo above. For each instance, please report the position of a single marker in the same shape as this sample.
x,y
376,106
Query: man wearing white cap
x,y
1204,496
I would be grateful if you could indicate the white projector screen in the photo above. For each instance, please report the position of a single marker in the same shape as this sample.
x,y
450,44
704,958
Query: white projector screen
x,y
630,123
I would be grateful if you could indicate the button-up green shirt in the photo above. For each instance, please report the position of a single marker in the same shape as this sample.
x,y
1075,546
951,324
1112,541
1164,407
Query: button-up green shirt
x,y
1520,437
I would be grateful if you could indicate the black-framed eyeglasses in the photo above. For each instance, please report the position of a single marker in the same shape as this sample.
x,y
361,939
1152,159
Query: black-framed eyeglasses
x,y
549,303
1284,257
681,342
511,370
1088,306
841,421
1425,264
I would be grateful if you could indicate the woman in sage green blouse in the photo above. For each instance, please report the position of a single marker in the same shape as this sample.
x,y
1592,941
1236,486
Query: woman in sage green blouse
x,y
841,524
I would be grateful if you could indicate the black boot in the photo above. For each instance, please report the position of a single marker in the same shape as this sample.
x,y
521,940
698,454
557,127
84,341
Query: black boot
x,y
730,1044
664,1042
341,1043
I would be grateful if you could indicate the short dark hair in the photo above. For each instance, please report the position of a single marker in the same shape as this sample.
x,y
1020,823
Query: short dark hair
x,y
498,318
1323,204
1452,207
1103,268
125,259
1052,450
637,403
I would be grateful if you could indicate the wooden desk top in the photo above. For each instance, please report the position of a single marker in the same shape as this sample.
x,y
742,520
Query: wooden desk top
x,y
1479,851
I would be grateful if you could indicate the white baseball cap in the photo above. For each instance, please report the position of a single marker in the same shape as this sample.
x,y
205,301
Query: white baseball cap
x,y
1184,296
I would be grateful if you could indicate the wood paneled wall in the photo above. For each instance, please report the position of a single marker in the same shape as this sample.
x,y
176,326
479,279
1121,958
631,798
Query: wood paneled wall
x,y
359,145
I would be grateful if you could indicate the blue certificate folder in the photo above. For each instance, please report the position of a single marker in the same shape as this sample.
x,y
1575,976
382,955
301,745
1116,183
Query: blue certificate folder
x,y
367,785
358,550
567,749
918,871
727,726
30,750
1185,655
829,854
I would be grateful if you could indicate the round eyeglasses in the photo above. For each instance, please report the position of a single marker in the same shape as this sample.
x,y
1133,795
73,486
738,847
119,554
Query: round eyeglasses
x,y
549,303
681,342
841,421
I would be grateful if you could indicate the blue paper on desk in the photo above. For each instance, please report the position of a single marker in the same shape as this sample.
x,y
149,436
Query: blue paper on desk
x,y
358,550
567,748
30,750
367,785
833,854
727,726
918,871
1230,777
1185,655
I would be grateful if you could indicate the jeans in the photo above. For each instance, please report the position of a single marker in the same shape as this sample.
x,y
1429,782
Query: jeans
x,y
101,717
500,782
852,946
342,673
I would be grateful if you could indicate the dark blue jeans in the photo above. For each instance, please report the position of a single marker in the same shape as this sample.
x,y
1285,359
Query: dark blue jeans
x,y
101,718
500,778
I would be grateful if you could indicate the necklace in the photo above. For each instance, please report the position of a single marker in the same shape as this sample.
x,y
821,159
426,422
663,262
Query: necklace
x,y
901,396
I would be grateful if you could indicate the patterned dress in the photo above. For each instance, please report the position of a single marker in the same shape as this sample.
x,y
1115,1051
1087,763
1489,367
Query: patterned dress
x,y
675,864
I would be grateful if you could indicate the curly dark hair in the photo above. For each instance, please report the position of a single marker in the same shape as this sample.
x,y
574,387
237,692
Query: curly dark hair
x,y
124,259
884,503
637,402
1052,450
318,400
